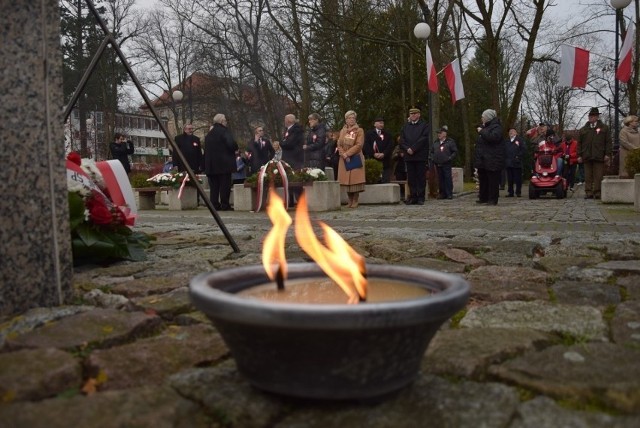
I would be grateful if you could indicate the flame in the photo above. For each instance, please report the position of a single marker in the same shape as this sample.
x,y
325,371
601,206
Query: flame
x,y
273,258
338,260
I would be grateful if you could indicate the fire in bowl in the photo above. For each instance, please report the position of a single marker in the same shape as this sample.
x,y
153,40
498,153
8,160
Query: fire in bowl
x,y
306,345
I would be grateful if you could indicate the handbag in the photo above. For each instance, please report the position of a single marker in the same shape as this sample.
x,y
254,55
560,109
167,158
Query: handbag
x,y
355,161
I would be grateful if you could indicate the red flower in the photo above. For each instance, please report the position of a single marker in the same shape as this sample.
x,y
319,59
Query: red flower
x,y
75,158
99,213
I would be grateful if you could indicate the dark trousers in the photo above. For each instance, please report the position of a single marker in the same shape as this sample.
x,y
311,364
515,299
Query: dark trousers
x,y
445,181
417,180
220,190
570,174
514,177
593,173
489,185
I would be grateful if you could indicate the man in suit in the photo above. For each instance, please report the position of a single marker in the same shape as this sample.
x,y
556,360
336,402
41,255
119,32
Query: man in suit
x,y
260,150
292,150
378,145
191,148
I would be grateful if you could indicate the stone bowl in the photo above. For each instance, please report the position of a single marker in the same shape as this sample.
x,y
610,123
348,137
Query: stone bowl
x,y
328,351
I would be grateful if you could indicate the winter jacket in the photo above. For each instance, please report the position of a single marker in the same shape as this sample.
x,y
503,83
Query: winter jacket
x,y
515,152
291,145
415,136
374,143
191,149
260,152
594,143
316,141
219,151
350,143
121,151
443,153
570,148
490,151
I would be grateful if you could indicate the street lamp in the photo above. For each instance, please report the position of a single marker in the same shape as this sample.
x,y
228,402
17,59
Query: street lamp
x,y
618,5
423,31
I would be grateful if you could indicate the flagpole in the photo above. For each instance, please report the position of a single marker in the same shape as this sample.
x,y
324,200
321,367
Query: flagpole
x,y
618,5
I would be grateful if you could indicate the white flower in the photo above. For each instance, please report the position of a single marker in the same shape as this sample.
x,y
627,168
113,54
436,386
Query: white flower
x,y
315,172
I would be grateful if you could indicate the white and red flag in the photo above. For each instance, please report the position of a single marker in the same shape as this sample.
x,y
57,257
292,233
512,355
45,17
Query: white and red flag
x,y
453,74
432,75
623,73
574,67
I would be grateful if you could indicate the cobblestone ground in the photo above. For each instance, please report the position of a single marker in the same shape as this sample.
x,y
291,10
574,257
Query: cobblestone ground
x,y
550,337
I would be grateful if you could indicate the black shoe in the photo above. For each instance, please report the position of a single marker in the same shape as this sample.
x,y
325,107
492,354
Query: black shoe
x,y
481,202
509,196
449,197
420,202
588,196
518,195
492,203
410,202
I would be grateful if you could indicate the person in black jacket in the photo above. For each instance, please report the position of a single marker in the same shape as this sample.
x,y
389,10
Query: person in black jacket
x,y
489,157
191,149
314,147
220,162
378,145
120,149
414,141
442,153
516,150
292,151
260,150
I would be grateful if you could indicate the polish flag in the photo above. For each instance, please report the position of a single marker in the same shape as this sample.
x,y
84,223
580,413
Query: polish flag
x,y
432,75
453,74
574,67
623,73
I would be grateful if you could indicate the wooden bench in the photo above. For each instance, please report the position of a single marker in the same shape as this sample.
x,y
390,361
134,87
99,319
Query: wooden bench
x,y
147,196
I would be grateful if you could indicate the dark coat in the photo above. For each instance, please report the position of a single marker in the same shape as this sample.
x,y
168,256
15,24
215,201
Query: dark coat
x,y
260,153
594,143
515,152
121,152
316,142
443,153
332,157
374,143
291,144
219,151
415,137
191,148
490,151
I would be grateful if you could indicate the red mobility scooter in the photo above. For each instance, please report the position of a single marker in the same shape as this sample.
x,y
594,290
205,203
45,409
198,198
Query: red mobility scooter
x,y
545,178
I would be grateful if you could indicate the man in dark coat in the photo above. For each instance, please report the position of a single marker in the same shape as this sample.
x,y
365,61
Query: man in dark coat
x,y
121,148
314,147
191,149
442,153
292,142
594,150
378,145
489,157
220,162
292,150
516,150
414,141
260,150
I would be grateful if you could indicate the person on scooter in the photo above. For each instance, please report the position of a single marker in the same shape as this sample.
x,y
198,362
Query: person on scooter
x,y
551,144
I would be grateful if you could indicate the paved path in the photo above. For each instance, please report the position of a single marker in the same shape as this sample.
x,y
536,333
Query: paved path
x,y
550,337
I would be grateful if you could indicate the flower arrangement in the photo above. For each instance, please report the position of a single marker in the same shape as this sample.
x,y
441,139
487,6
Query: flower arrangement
x,y
171,179
100,229
272,174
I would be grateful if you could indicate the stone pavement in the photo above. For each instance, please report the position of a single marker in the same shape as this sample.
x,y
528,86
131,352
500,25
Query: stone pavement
x,y
550,337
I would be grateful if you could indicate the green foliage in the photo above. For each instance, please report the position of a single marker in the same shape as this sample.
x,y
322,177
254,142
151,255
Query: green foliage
x,y
139,179
632,162
457,317
373,171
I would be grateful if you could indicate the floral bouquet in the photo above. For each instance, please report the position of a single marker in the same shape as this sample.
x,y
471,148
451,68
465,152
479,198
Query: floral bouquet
x,y
100,229
280,173
172,179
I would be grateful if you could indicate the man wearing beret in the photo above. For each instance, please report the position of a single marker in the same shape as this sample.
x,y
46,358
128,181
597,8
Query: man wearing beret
x,y
414,140
594,148
378,145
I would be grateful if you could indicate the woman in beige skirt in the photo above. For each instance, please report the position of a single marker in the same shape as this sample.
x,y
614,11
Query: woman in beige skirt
x,y
350,145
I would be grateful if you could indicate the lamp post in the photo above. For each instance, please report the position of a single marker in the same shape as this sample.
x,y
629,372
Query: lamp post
x,y
177,96
618,5
423,31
